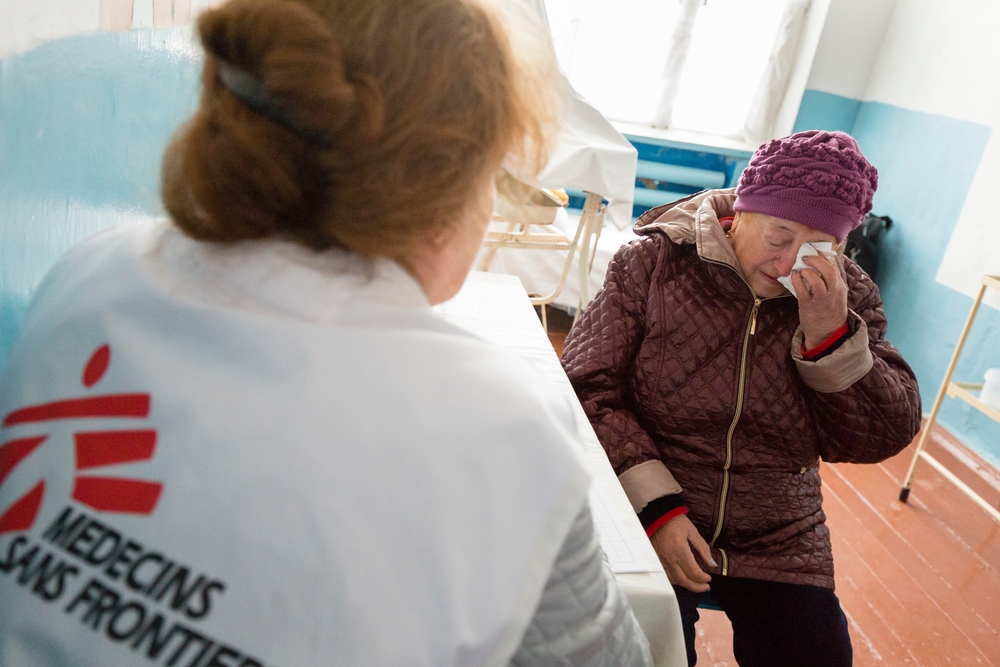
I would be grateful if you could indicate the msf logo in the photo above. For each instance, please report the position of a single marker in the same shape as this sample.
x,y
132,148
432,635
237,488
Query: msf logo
x,y
93,448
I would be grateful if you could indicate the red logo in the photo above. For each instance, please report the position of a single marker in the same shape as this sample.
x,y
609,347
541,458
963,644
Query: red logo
x,y
94,449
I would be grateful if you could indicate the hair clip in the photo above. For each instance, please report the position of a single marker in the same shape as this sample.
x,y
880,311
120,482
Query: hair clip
x,y
251,91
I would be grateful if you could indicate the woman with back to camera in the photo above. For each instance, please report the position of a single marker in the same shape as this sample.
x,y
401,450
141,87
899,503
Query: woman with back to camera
x,y
716,392
311,466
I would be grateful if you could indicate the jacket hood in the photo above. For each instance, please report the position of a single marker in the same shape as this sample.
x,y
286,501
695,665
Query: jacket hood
x,y
695,219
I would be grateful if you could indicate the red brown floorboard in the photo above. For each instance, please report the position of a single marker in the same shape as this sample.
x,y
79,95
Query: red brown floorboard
x,y
913,600
715,639
951,566
918,581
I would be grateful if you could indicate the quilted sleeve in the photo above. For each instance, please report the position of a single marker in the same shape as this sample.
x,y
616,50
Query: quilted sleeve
x,y
598,356
583,617
870,412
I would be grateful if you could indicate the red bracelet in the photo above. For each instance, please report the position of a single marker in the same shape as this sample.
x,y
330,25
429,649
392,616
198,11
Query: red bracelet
x,y
656,525
822,347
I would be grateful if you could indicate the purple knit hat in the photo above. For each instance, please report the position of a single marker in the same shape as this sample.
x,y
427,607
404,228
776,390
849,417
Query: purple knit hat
x,y
819,179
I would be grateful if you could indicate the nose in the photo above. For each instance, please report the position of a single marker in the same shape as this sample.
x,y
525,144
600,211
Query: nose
x,y
784,262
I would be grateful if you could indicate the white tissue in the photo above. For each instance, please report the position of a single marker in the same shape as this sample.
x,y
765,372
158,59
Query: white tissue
x,y
824,248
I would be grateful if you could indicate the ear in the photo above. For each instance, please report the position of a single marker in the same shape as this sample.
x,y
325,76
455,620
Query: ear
x,y
737,218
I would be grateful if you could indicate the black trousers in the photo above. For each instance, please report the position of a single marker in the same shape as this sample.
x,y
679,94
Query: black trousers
x,y
774,624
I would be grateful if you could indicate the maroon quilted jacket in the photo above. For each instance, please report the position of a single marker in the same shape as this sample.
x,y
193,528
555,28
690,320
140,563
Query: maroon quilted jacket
x,y
695,386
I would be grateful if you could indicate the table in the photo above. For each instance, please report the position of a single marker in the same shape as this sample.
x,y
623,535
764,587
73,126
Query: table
x,y
496,308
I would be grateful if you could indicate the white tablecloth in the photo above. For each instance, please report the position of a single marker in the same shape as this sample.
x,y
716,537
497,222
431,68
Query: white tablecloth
x,y
592,155
496,308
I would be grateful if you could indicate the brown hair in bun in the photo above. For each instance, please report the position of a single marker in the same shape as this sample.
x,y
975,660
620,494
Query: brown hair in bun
x,y
392,112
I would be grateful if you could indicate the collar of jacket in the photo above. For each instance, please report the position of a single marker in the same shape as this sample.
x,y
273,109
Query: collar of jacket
x,y
277,277
695,219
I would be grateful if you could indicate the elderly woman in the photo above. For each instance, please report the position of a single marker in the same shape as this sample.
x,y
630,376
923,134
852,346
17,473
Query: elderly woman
x,y
282,455
716,392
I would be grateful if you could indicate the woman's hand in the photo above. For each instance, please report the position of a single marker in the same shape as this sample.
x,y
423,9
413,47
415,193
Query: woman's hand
x,y
822,295
676,543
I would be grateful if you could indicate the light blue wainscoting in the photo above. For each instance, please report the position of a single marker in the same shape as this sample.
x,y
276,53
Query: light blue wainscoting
x,y
926,164
826,111
83,124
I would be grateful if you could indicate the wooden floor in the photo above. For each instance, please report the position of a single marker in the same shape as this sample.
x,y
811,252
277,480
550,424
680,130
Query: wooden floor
x,y
919,582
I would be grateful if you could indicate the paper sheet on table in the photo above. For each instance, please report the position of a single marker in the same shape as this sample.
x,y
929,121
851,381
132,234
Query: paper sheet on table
x,y
623,556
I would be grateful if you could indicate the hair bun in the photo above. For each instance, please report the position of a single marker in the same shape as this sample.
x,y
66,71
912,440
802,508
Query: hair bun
x,y
368,124
294,52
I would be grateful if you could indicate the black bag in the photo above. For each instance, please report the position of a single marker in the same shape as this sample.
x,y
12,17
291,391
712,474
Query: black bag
x,y
862,242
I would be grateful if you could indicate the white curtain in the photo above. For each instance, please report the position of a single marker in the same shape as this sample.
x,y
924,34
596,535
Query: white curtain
x,y
718,67
759,124
677,58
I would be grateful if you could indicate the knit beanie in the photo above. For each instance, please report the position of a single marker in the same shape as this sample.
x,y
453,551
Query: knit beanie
x,y
819,179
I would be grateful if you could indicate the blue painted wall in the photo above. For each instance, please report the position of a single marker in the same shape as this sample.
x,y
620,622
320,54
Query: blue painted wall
x,y
825,111
926,164
83,124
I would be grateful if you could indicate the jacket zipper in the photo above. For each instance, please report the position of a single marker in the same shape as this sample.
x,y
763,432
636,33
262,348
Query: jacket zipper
x,y
750,331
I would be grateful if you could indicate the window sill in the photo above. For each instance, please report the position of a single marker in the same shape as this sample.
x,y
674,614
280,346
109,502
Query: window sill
x,y
685,139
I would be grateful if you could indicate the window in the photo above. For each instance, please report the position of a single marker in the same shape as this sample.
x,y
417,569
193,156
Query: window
x,y
693,65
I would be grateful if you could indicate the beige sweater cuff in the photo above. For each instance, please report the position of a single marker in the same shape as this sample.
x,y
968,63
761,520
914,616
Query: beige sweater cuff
x,y
647,481
837,371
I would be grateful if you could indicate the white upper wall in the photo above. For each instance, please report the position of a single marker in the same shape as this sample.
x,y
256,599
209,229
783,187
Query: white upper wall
x,y
25,24
849,46
941,57
935,56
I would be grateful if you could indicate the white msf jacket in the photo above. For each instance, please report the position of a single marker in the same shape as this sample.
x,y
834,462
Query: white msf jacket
x,y
256,455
